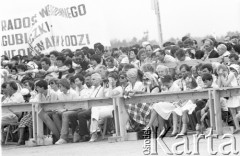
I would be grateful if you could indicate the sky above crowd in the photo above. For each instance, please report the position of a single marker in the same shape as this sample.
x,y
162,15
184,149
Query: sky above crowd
x,y
131,18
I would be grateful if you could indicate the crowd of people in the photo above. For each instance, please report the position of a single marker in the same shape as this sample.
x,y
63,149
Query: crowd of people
x,y
97,73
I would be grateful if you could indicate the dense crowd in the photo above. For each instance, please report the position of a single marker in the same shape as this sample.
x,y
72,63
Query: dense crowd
x,y
97,73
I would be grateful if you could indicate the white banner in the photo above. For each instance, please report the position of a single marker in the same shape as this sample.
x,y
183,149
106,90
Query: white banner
x,y
54,26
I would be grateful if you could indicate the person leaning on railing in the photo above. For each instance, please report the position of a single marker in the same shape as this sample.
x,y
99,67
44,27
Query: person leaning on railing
x,y
226,78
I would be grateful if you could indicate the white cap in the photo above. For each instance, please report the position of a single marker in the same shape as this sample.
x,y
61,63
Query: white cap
x,y
125,60
236,67
24,91
32,64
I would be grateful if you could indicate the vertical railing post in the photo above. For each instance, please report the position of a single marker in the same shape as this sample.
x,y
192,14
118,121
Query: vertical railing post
x,y
40,135
218,112
123,117
34,122
211,109
116,117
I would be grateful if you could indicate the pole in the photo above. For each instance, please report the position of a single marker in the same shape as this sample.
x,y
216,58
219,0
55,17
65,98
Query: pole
x,y
159,26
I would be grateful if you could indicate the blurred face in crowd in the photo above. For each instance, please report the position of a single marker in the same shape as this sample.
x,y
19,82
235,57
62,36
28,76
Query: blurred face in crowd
x,y
227,39
132,79
194,72
10,90
143,56
112,81
161,72
146,81
44,65
53,58
95,81
109,63
27,86
122,79
207,83
159,56
205,71
53,85
78,82
93,62
132,55
207,46
167,84
14,72
59,63
234,41
107,53
63,89
233,61
149,50
88,81
184,72
40,90
221,49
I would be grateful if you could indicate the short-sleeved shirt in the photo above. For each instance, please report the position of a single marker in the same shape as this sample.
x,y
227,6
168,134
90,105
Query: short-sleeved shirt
x,y
70,95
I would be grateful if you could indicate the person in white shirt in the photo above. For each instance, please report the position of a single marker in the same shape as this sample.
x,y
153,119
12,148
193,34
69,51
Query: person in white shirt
x,y
13,97
222,50
80,87
98,92
162,57
132,56
66,94
53,83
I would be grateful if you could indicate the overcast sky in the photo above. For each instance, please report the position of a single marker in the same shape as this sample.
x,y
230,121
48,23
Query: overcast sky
x,y
128,18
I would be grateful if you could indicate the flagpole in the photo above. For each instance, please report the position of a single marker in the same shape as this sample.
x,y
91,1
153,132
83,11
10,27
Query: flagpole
x,y
159,26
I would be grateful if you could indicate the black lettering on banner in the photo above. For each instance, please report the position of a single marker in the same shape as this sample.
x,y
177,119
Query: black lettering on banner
x,y
41,29
25,38
10,26
73,11
47,26
73,40
26,22
87,37
48,43
4,40
9,40
44,12
80,39
40,47
33,19
17,23
62,39
4,26
19,38
82,10
67,40
56,43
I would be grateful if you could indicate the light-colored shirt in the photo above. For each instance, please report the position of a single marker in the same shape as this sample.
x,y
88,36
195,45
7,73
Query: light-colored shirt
x,y
50,97
168,59
70,95
15,98
97,92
